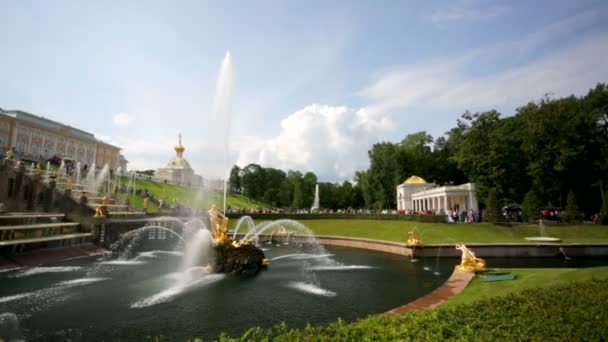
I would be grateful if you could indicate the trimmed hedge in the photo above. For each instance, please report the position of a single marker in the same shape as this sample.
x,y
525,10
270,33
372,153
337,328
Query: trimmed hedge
x,y
575,312
388,217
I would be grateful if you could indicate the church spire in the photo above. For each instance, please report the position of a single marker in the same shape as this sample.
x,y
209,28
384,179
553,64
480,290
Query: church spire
x,y
179,148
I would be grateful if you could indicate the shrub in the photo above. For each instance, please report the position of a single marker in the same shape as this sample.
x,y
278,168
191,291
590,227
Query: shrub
x,y
572,212
531,206
604,212
492,213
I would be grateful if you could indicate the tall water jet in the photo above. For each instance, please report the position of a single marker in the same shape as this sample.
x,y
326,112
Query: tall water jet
x,y
197,249
62,169
222,111
90,177
101,178
315,204
78,173
47,175
117,176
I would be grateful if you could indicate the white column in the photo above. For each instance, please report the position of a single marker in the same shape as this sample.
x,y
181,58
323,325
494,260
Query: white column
x,y
474,204
29,141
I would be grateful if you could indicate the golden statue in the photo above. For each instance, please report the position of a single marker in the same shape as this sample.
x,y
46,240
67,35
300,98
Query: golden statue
x,y
219,223
414,239
9,155
146,200
280,231
68,185
104,199
99,212
38,170
469,262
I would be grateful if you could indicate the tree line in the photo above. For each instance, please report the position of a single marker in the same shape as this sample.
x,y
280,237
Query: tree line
x,y
545,151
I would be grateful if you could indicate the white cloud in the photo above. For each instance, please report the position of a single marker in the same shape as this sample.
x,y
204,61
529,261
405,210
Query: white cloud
x,y
331,141
455,84
465,10
122,119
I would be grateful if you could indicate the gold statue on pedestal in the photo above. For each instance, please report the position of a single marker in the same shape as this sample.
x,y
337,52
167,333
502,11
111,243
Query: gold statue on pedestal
x,y
68,185
9,155
414,239
469,262
99,211
219,224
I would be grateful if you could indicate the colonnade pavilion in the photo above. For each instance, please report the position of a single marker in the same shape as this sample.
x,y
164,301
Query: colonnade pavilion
x,y
415,194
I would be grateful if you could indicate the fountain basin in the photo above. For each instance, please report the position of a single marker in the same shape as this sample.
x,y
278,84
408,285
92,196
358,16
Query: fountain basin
x,y
134,300
543,239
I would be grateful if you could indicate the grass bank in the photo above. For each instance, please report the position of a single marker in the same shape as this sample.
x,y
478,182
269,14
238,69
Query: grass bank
x,y
525,279
450,233
189,196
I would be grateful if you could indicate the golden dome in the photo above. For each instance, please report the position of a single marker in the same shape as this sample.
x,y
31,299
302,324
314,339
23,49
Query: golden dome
x,y
179,148
415,180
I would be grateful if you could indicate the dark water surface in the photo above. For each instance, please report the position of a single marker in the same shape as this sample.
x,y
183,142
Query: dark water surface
x,y
84,300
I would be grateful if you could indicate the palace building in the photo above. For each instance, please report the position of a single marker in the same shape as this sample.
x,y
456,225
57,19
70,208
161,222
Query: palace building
x,y
178,170
37,139
415,194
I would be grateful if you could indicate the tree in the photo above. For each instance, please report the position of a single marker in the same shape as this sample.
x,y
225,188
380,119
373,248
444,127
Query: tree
x,y
489,153
234,181
492,213
252,181
531,206
308,184
383,175
298,200
572,212
603,219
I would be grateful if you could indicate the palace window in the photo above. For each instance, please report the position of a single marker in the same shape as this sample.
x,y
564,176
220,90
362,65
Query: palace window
x,y
3,140
4,126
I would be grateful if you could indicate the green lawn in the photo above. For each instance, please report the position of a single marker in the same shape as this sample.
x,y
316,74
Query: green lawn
x,y
525,279
449,233
189,196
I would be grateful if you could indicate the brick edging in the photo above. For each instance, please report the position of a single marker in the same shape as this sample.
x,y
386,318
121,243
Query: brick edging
x,y
457,282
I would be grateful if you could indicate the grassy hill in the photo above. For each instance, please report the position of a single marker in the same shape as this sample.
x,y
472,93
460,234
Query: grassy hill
x,y
195,198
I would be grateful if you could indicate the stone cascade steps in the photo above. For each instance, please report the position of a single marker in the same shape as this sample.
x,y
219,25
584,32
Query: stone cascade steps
x,y
114,209
39,226
30,218
21,232
45,239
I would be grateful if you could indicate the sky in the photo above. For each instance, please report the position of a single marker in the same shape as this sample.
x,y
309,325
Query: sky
x,y
314,83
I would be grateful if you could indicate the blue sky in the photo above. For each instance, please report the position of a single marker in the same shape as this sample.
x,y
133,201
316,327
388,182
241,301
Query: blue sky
x,y
315,82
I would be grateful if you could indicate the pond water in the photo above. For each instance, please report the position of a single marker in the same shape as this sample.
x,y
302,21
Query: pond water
x,y
94,299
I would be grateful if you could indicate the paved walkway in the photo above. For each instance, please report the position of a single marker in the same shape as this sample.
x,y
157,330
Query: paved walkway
x,y
453,286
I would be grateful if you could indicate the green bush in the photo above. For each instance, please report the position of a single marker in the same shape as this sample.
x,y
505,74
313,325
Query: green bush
x,y
572,212
492,213
559,313
604,212
389,217
531,206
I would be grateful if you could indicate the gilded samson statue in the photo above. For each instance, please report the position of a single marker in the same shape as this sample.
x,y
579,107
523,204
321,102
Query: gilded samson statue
x,y
219,224
469,262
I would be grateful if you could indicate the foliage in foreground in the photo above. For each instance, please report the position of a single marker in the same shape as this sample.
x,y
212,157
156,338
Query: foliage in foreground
x,y
572,312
